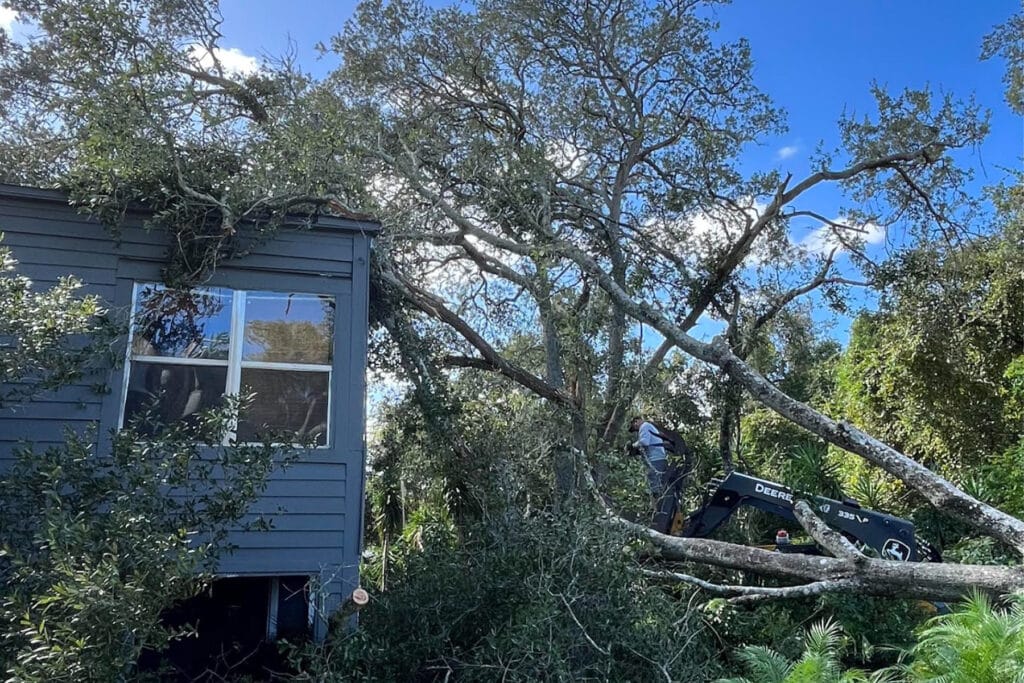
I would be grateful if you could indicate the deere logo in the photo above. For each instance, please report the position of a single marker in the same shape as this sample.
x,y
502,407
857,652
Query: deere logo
x,y
773,493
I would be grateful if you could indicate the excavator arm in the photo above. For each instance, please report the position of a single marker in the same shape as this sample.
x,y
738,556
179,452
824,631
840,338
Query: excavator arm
x,y
891,537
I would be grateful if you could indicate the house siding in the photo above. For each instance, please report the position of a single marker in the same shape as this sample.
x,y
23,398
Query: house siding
x,y
315,504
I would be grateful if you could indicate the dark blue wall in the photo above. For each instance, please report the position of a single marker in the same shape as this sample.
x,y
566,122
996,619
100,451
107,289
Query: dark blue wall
x,y
318,534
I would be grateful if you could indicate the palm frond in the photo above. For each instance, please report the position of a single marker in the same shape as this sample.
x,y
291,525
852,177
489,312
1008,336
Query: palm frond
x,y
764,664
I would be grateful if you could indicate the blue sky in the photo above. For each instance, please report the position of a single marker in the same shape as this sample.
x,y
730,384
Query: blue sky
x,y
813,58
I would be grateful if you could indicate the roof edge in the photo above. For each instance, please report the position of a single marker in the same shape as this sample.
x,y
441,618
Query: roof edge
x,y
354,223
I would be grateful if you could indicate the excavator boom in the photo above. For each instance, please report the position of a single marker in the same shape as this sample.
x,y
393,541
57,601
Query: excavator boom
x,y
891,537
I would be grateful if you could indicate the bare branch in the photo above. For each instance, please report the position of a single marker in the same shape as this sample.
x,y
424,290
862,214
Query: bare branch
x,y
434,307
824,535
884,578
741,594
788,297
586,635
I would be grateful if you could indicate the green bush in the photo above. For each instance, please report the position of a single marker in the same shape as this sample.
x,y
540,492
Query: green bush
x,y
93,547
519,600
41,349
977,643
820,661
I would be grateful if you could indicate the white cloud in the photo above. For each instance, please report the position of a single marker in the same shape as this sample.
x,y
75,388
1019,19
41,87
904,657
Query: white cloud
x,y
827,237
787,151
567,157
722,227
7,18
703,234
232,60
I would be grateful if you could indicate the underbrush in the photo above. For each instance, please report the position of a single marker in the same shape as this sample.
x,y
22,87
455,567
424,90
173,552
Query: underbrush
x,y
517,600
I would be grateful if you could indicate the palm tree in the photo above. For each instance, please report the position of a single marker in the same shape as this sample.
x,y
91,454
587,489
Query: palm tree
x,y
975,644
819,663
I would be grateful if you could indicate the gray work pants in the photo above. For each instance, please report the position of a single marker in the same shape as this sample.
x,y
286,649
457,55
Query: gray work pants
x,y
657,471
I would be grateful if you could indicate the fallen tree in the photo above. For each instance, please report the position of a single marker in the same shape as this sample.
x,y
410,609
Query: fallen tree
x,y
848,571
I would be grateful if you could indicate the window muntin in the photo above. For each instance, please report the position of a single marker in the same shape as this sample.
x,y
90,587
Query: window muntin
x,y
188,349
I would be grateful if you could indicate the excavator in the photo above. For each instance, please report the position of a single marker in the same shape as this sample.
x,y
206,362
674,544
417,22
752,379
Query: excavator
x,y
890,537
877,533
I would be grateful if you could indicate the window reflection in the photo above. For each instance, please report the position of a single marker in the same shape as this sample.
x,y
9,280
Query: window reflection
x,y
182,324
163,393
288,328
286,401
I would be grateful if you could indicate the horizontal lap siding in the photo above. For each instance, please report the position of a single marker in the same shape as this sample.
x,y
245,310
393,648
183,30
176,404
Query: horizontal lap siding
x,y
292,522
294,251
41,236
280,562
314,505
310,504
315,521
305,251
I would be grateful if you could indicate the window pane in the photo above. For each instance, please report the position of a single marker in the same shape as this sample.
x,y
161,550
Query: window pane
x,y
286,400
288,328
172,392
181,324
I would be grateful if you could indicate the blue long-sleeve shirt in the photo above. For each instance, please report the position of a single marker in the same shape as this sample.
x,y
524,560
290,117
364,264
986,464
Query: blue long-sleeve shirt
x,y
648,439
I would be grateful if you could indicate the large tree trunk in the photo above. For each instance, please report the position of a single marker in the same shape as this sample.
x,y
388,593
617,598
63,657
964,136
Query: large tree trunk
x,y
863,575
729,422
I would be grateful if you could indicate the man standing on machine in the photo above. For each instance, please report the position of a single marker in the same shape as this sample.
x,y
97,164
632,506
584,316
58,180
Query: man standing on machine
x,y
651,445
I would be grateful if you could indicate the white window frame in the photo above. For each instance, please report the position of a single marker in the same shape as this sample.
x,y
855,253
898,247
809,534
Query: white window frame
x,y
235,362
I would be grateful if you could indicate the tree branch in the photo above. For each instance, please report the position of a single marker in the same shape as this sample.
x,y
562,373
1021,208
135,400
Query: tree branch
x,y
435,308
884,578
238,92
468,362
936,489
748,594
824,535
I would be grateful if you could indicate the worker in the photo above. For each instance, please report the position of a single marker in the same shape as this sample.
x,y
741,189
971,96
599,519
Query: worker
x,y
650,444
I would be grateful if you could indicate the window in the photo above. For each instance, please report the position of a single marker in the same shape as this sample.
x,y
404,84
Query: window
x,y
189,348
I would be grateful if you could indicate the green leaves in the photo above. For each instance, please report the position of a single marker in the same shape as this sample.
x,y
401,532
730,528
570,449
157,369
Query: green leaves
x,y
977,643
40,343
1004,40
96,546
820,662
526,599
927,371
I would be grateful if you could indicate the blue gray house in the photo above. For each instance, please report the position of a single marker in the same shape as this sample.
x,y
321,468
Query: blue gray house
x,y
288,321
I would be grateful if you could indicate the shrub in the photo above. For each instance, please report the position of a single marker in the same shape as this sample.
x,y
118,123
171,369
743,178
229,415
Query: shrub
x,y
93,548
977,643
519,600
820,662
